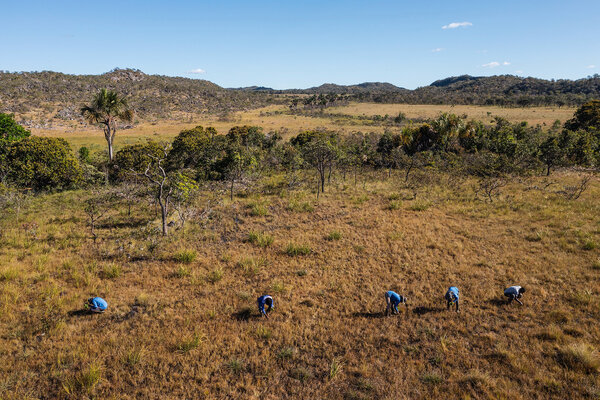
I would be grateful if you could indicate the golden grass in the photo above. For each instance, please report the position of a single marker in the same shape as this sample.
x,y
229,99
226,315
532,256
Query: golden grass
x,y
83,135
183,326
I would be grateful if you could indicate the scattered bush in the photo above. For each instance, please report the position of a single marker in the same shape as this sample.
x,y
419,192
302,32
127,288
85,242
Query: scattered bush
x,y
589,245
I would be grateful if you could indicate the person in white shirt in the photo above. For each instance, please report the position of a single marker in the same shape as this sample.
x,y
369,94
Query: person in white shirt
x,y
514,293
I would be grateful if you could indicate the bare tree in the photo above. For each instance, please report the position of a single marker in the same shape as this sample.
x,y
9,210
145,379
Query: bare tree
x,y
95,211
490,187
158,177
575,191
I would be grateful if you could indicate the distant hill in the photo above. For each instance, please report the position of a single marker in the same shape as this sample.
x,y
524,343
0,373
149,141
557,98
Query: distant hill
x,y
58,95
49,96
507,90
331,88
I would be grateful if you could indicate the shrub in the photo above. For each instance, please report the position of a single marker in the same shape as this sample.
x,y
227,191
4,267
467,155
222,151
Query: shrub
x,y
335,235
186,256
260,239
579,357
596,264
301,272
43,163
297,250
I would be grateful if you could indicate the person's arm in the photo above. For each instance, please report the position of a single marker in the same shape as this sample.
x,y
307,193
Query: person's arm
x,y
518,301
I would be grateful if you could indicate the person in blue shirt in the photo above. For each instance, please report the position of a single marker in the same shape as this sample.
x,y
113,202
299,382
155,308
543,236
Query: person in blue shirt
x,y
452,297
392,299
268,301
96,304
514,293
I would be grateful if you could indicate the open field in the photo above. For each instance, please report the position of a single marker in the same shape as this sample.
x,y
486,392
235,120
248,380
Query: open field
x,y
182,321
289,125
544,116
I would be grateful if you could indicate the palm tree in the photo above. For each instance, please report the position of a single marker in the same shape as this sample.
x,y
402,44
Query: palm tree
x,y
107,107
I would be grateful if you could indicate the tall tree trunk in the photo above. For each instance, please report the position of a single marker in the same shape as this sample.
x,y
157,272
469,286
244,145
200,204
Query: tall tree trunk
x,y
231,190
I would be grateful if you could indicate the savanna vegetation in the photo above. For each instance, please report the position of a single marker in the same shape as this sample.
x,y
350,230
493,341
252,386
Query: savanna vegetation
x,y
181,237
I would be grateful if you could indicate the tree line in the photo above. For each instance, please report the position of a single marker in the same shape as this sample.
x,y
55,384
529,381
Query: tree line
x,y
171,171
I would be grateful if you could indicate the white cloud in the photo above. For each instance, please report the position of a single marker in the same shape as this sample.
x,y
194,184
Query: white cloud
x,y
518,72
495,64
592,66
492,64
455,25
196,71
437,50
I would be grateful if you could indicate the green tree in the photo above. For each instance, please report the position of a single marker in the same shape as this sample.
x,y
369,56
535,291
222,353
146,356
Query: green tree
x,y
320,150
587,116
42,163
106,108
10,130
551,153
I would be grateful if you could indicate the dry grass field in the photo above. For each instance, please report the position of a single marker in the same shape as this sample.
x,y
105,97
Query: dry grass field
x,y
182,320
544,116
268,118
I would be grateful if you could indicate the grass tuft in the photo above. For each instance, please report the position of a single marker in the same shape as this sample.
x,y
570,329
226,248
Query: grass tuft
x,y
294,250
188,344
111,271
186,256
335,235
260,239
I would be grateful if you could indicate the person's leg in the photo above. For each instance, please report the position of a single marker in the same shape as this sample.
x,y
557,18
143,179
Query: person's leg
x,y
447,304
456,305
387,305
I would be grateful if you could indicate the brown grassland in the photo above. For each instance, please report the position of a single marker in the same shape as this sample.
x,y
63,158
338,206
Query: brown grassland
x,y
182,319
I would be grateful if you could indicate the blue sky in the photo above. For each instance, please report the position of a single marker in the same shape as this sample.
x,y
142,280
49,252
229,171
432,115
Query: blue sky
x,y
297,44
